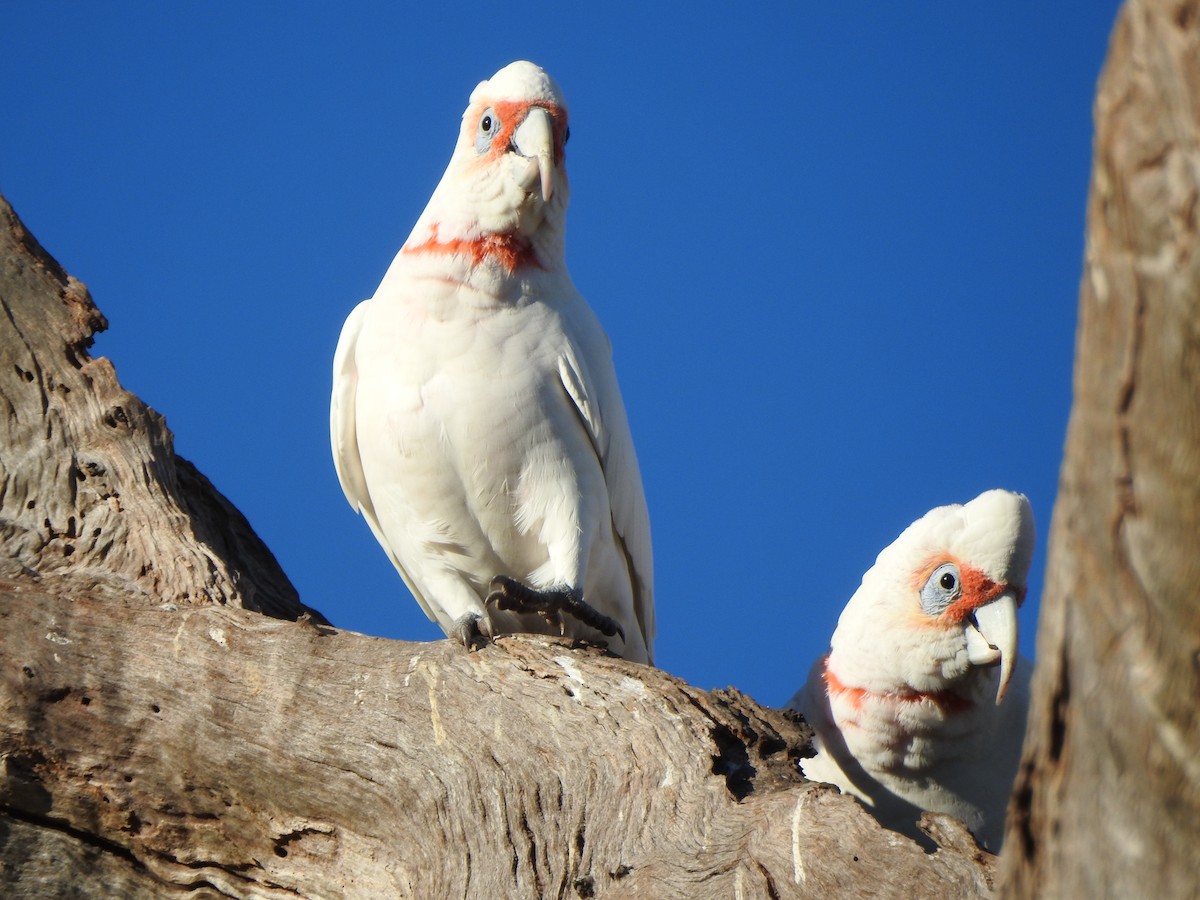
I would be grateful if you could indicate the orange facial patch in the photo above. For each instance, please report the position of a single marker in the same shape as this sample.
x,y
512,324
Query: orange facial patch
x,y
512,113
975,589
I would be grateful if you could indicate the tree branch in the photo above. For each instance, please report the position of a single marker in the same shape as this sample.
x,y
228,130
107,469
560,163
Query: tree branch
x,y
156,739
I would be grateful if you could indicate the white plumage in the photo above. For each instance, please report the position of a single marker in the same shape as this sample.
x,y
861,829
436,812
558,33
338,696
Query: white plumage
x,y
476,420
921,701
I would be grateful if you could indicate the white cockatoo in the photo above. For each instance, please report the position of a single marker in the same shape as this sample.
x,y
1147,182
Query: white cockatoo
x,y
476,420
920,703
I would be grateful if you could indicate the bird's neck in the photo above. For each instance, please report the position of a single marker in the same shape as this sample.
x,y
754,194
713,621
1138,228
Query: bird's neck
x,y
859,698
902,729
508,252
447,266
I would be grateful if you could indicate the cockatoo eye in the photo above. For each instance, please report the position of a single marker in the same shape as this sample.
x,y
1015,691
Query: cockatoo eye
x,y
566,135
941,589
489,127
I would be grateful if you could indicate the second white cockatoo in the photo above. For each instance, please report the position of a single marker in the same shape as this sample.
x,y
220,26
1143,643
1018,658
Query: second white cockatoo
x,y
920,703
476,420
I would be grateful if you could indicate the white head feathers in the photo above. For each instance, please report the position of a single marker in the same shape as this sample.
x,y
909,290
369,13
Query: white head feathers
x,y
906,704
904,627
507,177
520,81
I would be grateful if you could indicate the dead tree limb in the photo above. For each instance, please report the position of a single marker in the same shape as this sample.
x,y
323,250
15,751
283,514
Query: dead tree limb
x,y
1108,799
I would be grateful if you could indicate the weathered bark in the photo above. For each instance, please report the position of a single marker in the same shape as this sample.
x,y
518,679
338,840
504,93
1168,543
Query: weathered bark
x,y
1108,799
92,495
157,740
254,757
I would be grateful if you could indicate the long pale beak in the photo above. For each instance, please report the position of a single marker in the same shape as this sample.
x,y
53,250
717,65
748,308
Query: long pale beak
x,y
534,138
992,637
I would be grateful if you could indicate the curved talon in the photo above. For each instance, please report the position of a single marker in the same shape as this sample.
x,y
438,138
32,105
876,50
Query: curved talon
x,y
503,594
472,630
516,601
509,594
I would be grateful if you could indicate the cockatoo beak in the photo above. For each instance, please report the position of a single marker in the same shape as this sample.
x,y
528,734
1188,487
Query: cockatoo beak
x,y
992,637
534,139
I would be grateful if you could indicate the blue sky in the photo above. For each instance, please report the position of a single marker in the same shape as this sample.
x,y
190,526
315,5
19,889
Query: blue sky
x,y
837,248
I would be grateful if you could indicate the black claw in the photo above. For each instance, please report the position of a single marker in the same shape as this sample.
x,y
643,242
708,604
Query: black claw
x,y
469,631
510,594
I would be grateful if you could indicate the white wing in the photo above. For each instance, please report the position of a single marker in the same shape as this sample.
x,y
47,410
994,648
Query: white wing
x,y
343,433
343,437
597,398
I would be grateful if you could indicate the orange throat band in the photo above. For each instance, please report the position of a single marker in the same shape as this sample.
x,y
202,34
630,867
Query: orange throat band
x,y
509,251
946,701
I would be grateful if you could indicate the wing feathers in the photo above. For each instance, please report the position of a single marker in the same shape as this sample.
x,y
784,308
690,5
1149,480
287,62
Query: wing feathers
x,y
599,405
343,436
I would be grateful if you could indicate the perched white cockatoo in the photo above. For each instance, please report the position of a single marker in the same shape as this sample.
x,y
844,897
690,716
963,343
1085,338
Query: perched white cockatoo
x,y
920,703
476,420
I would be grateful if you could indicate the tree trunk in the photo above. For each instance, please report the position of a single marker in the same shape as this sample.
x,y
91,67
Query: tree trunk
x,y
92,495
1108,799
156,739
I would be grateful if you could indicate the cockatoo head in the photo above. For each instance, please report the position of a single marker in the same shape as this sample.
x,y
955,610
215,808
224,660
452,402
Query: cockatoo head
x,y
938,610
507,178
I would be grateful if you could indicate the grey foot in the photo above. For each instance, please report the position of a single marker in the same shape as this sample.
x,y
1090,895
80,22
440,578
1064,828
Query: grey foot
x,y
510,594
472,630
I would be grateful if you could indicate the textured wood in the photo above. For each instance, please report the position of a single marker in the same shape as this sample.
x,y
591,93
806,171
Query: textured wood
x,y
157,740
92,494
1108,799
216,747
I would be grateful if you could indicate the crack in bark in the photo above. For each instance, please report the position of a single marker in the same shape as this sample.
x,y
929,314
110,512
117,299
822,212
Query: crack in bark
x,y
39,373
772,890
61,826
531,838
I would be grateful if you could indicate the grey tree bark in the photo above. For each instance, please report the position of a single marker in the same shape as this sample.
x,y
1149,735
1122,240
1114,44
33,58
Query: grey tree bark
x,y
161,736
92,495
1107,803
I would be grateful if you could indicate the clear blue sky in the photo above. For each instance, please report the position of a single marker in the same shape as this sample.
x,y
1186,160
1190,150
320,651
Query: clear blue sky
x,y
836,246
